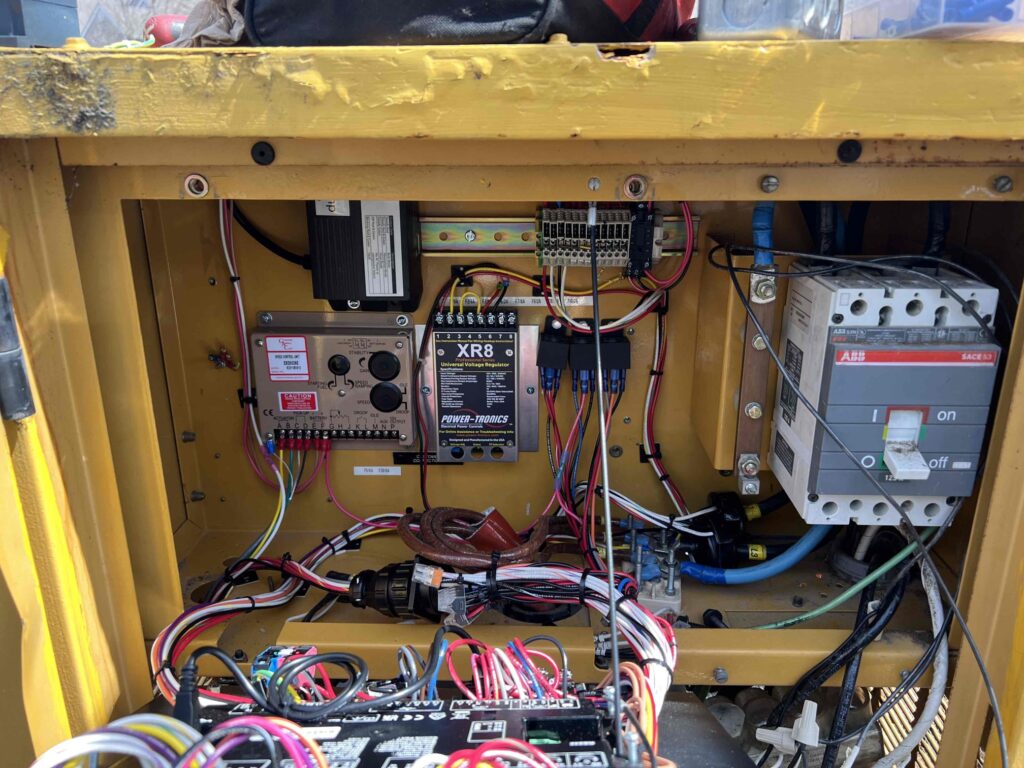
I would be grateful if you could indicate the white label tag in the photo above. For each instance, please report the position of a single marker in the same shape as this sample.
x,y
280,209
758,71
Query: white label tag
x,y
538,301
332,208
382,244
287,359
377,471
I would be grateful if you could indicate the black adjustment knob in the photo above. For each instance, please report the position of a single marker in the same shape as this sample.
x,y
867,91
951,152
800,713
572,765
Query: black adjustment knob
x,y
384,366
386,397
339,365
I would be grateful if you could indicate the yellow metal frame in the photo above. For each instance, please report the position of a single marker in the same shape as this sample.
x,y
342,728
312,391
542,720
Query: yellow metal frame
x,y
86,132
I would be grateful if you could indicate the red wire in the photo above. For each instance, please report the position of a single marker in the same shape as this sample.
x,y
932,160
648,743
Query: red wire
x,y
341,507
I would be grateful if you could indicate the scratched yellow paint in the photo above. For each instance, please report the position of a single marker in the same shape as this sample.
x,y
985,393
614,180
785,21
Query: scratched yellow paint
x,y
723,91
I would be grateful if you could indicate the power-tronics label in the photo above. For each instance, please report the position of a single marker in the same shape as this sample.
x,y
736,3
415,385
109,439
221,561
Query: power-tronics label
x,y
382,244
297,402
287,358
476,374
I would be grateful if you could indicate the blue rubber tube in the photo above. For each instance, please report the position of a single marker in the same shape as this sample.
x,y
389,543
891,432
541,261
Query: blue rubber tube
x,y
807,544
764,221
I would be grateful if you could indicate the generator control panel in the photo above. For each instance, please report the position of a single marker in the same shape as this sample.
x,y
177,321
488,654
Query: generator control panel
x,y
333,376
904,374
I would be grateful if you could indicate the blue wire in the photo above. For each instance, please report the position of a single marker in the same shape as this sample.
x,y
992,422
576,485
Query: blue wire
x,y
529,671
432,688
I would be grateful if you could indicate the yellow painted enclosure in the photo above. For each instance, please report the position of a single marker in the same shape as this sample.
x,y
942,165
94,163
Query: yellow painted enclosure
x,y
127,492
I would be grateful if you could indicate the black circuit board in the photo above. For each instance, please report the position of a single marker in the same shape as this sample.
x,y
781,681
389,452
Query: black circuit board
x,y
570,731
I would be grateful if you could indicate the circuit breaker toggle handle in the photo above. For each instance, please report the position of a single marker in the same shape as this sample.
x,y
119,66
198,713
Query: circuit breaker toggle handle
x,y
902,445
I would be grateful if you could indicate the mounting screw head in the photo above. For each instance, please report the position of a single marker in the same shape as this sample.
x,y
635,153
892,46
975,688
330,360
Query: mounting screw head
x,y
188,437
849,151
212,281
265,318
259,342
631,331
758,343
721,675
262,153
765,290
402,321
425,390
1002,184
750,468
239,655
593,184
352,304
470,235
635,187
197,496
754,410
749,489
627,420
615,451
531,390
770,184
403,437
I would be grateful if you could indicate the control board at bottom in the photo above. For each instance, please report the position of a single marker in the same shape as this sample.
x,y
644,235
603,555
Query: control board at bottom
x,y
571,732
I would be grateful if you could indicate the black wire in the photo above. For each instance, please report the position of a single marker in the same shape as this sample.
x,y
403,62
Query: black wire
x,y
561,651
282,703
798,758
303,261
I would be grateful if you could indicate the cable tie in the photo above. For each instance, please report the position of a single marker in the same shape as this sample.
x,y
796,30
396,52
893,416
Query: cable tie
x,y
252,600
492,578
662,308
234,278
244,401
645,458
664,477
328,543
657,373
583,586
622,598
659,662
167,666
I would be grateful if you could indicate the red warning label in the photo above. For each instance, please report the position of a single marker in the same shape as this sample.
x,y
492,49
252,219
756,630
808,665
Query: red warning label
x,y
980,357
296,402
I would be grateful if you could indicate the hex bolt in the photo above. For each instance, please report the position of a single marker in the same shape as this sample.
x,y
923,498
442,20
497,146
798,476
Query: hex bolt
x,y
670,561
470,235
750,468
770,184
1002,184
765,290
749,489
353,304
188,437
754,411
265,318
197,496
721,675
403,437
759,343
593,184
402,321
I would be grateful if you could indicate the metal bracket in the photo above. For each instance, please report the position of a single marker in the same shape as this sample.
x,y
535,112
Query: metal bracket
x,y
762,287
748,465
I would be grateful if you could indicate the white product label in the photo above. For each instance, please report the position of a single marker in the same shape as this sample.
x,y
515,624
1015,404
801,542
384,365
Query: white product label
x,y
538,301
377,471
961,465
332,208
287,359
382,246
319,733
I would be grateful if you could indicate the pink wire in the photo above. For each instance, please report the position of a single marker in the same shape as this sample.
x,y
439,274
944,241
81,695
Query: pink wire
x,y
338,504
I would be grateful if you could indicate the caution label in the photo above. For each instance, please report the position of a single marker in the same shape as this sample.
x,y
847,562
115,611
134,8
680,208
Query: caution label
x,y
297,402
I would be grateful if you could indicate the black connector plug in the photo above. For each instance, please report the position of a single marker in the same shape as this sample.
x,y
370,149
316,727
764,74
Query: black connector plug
x,y
394,592
186,703
552,354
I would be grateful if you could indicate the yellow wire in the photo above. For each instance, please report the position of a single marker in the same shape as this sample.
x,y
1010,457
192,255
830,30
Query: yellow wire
x,y
451,303
462,300
536,283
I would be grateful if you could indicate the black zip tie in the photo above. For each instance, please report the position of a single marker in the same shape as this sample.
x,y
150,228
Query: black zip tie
x,y
252,600
583,586
622,598
659,662
234,278
662,308
657,373
244,401
664,477
167,666
492,578
645,457
328,543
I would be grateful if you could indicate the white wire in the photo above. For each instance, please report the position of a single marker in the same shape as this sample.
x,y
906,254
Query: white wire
x,y
654,518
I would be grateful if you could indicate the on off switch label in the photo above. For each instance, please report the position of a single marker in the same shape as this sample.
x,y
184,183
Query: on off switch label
x,y
476,373
287,358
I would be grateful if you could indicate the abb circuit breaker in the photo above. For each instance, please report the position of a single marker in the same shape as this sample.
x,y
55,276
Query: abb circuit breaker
x,y
904,374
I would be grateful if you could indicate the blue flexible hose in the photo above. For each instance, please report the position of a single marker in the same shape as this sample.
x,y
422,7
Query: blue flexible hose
x,y
807,544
